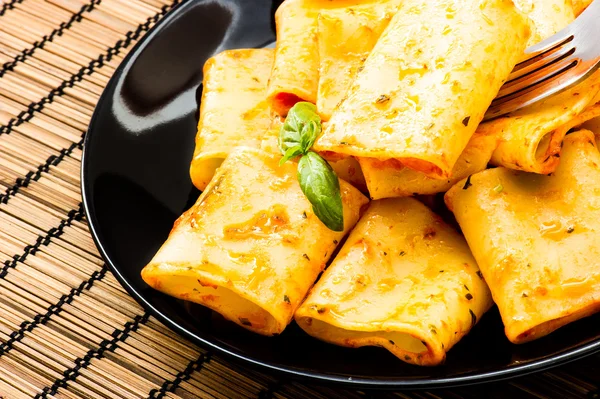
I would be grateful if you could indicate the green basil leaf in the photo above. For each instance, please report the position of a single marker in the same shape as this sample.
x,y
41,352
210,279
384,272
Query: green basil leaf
x,y
290,153
322,188
310,131
301,128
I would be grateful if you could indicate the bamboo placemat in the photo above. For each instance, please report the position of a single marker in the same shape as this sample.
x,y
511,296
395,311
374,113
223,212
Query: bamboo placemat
x,y
67,328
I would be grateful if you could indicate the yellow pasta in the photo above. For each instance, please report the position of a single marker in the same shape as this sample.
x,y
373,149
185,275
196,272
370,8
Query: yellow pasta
x,y
530,139
251,246
349,169
233,111
403,280
346,36
535,238
428,82
401,87
593,126
580,5
588,119
295,75
386,179
547,17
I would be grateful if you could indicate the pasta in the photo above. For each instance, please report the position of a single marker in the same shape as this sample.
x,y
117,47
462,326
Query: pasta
x,y
295,75
431,61
251,247
403,280
580,5
346,36
385,179
593,125
540,262
391,178
530,139
233,110
546,17
385,98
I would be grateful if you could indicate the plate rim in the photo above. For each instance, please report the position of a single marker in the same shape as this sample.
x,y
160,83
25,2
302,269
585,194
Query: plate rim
x,y
317,377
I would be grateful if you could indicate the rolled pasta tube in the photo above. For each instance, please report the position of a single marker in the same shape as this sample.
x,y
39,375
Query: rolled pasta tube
x,y
531,138
535,238
251,247
295,75
593,125
346,36
349,169
387,179
233,111
580,5
404,280
588,120
295,72
428,82
546,17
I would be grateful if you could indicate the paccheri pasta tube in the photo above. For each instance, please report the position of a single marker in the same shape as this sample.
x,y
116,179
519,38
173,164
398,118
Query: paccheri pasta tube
x,y
349,169
233,111
547,17
535,238
346,36
434,59
386,179
593,123
588,119
403,280
250,247
295,75
531,138
580,5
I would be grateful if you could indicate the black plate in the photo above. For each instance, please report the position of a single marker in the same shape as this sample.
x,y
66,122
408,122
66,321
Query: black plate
x,y
135,183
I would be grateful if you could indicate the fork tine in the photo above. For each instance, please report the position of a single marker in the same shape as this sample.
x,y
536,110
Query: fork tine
x,y
532,65
557,40
537,52
535,78
554,65
547,88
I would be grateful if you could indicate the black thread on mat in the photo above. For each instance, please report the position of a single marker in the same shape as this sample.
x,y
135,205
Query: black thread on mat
x,y
53,160
77,17
121,44
265,394
9,5
107,345
270,391
28,326
54,232
171,386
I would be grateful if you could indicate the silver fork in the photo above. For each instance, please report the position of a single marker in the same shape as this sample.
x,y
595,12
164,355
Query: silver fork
x,y
553,65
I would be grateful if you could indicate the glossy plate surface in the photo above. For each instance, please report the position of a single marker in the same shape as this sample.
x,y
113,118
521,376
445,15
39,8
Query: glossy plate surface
x,y
135,184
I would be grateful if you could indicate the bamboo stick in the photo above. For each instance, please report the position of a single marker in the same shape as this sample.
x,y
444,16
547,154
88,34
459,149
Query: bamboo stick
x,y
44,10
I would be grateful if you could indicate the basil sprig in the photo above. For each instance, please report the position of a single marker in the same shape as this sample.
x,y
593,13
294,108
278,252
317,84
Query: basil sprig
x,y
300,130
318,181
